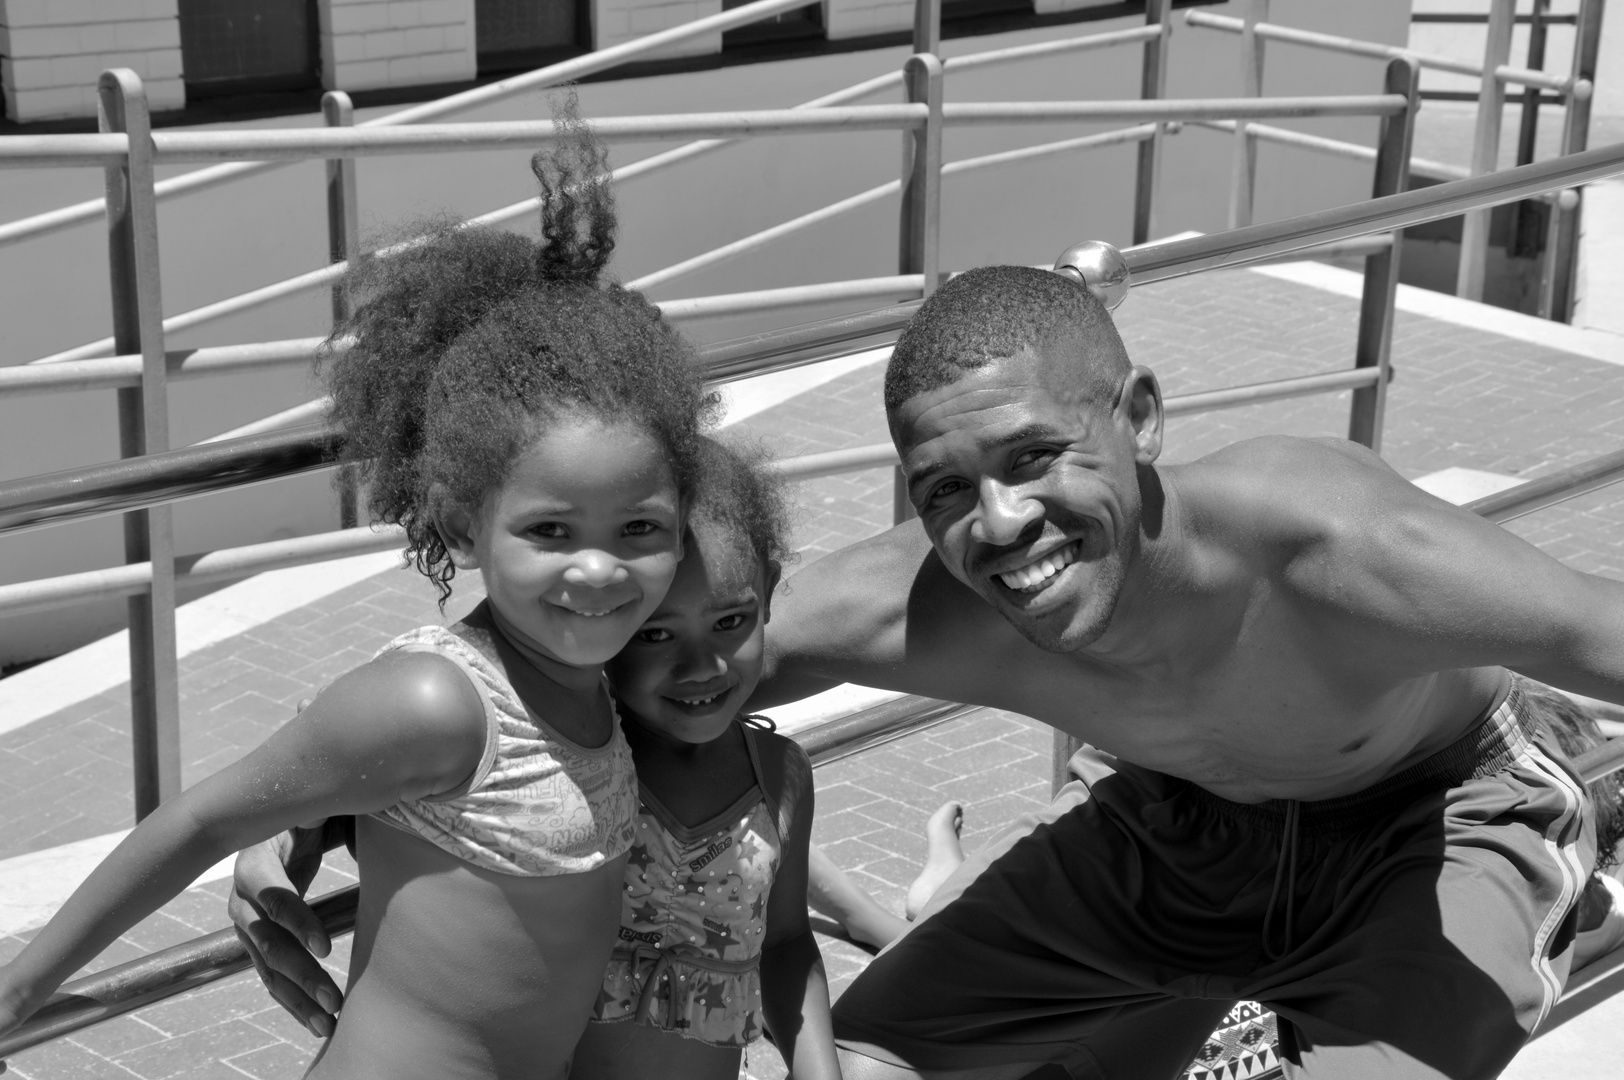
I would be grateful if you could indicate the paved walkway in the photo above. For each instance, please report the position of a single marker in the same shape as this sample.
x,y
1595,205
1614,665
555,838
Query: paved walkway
x,y
1465,397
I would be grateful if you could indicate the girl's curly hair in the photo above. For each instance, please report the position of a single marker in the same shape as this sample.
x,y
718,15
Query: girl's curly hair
x,y
469,342
739,491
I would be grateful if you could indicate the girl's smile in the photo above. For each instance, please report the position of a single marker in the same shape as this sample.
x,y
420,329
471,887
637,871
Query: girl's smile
x,y
687,672
580,541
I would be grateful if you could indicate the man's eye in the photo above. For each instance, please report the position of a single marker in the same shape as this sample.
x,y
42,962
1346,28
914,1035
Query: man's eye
x,y
946,489
1033,456
640,528
654,636
730,622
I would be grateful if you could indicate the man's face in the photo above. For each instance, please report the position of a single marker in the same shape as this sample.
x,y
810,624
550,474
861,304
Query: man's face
x,y
1029,491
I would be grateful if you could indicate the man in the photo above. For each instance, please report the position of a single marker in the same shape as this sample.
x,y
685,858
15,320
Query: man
x,y
1310,781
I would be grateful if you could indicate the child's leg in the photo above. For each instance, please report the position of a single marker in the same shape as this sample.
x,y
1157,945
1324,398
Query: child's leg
x,y
942,833
830,892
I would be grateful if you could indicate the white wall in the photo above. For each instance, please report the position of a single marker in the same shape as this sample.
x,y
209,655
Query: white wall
x,y
51,52
371,44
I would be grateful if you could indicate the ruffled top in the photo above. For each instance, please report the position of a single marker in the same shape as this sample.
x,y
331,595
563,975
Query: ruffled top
x,y
693,918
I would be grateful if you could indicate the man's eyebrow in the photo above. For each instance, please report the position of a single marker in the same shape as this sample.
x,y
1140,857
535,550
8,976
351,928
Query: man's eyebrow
x,y
1019,435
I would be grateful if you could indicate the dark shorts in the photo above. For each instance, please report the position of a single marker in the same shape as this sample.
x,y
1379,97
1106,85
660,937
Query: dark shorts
x,y
1423,928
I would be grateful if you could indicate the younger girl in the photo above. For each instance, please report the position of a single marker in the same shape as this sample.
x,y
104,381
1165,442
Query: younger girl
x,y
714,941
520,418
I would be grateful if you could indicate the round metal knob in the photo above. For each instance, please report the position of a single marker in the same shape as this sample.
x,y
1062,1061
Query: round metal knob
x,y
1100,267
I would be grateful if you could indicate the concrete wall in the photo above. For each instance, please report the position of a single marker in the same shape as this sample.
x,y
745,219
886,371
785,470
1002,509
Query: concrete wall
x,y
617,21
857,18
220,242
52,50
371,44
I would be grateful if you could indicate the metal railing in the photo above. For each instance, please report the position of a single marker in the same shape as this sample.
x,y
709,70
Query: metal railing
x,y
139,371
1573,91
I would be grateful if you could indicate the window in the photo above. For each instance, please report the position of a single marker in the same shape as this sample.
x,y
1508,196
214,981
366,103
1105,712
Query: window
x,y
514,35
245,46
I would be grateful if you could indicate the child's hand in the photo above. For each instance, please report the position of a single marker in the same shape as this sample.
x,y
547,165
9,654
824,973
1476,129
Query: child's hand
x,y
282,934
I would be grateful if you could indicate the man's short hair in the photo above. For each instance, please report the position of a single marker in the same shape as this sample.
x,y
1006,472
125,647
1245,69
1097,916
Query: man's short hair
x,y
994,312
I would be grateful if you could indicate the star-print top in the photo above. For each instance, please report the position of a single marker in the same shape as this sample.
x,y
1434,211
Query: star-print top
x,y
693,917
538,805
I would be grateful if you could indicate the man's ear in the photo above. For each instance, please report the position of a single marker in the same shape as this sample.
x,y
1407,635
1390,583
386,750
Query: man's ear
x,y
456,528
1140,400
774,573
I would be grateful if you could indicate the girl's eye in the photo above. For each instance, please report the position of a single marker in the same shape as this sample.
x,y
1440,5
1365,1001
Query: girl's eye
x,y
653,636
730,622
640,528
549,530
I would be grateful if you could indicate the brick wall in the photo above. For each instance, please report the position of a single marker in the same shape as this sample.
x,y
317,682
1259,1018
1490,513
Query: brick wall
x,y
51,52
368,44
615,21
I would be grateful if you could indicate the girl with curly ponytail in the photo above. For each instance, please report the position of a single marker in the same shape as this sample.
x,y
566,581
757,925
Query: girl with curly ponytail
x,y
523,417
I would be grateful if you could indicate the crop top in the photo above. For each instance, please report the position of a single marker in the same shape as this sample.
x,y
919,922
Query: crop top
x,y
538,805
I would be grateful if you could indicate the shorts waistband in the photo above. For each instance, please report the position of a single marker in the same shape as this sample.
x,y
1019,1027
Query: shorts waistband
x,y
1490,747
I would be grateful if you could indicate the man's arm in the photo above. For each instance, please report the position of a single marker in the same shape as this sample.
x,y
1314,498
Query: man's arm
x,y
843,618
282,934
1420,585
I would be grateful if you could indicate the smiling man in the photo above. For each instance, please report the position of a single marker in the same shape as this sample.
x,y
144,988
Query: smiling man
x,y
1311,781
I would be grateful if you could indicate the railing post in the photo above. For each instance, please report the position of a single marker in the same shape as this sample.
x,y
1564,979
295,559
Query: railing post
x,y
1243,168
1152,84
143,423
1491,102
920,229
1375,340
343,245
927,30
1562,230
1064,747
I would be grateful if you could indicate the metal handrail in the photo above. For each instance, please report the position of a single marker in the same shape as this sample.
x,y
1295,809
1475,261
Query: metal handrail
x,y
28,503
551,75
294,144
194,964
1505,73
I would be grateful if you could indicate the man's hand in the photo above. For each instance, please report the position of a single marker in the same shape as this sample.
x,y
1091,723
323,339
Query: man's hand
x,y
282,934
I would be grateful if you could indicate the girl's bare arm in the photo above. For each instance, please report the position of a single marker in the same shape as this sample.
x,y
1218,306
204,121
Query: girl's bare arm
x,y
405,726
794,987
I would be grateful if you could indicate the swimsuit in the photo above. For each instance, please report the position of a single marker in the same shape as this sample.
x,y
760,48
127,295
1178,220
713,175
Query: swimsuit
x,y
1421,927
693,917
538,805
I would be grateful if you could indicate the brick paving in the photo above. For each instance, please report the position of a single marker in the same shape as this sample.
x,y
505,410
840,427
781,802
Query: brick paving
x,y
1463,397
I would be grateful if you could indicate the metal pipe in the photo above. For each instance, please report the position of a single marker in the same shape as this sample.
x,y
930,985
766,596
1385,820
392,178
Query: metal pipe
x,y
706,307
306,412
551,75
226,564
113,372
106,150
1560,486
1503,72
967,113
119,486
1604,760
1152,85
1255,243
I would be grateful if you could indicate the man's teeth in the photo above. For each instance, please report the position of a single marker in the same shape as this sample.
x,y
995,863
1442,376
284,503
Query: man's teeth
x,y
1035,574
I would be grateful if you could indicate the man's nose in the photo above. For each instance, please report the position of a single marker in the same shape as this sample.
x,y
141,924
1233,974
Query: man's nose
x,y
1004,513
595,569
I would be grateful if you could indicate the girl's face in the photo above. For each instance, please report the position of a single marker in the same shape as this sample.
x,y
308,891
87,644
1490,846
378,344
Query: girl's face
x,y
687,673
580,543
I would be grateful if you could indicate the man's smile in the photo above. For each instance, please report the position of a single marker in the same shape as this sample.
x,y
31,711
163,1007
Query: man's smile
x,y
1037,574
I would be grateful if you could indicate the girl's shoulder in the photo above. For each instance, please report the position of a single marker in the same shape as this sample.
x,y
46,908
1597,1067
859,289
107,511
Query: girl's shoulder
x,y
786,771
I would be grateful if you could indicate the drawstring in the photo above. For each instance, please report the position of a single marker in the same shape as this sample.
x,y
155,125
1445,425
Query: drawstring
x,y
1285,870
646,993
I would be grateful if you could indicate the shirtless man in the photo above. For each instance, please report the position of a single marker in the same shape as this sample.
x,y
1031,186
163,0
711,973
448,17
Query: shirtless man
x,y
1311,779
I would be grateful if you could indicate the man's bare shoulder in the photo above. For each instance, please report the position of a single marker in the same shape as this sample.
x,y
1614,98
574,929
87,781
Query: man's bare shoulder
x,y
1280,489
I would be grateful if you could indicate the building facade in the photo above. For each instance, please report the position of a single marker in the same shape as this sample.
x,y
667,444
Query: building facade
x,y
52,50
